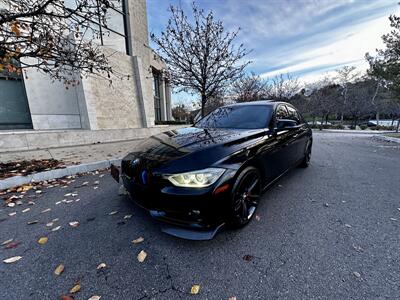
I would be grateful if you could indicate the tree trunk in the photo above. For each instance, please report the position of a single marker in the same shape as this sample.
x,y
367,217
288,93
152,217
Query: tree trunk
x,y
313,122
326,119
377,118
203,104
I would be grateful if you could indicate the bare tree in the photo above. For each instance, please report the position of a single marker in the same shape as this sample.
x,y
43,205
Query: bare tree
x,y
200,55
54,36
283,87
249,87
344,77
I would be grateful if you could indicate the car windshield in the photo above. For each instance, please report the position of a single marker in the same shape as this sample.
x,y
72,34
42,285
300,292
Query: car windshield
x,y
238,117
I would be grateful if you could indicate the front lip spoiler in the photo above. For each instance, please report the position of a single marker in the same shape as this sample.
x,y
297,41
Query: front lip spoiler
x,y
191,234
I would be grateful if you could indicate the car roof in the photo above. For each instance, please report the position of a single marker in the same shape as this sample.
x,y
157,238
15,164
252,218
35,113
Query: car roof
x,y
272,103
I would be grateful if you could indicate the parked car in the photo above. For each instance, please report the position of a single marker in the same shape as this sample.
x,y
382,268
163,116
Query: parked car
x,y
214,172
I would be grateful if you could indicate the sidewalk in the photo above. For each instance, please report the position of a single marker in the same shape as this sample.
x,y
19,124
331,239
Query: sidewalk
x,y
77,159
75,155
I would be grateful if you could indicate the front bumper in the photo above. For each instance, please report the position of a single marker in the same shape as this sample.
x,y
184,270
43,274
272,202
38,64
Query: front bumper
x,y
196,209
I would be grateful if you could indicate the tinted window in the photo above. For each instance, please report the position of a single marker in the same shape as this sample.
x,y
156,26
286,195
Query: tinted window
x,y
240,117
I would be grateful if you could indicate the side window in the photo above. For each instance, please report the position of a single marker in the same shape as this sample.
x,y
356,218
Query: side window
x,y
293,115
281,112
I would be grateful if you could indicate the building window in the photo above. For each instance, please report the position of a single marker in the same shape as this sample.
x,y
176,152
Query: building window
x,y
157,96
14,109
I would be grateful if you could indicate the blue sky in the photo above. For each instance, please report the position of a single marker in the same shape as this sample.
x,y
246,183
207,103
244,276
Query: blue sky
x,y
307,38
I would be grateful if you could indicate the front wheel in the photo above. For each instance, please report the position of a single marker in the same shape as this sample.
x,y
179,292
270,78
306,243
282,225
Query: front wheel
x,y
307,156
245,196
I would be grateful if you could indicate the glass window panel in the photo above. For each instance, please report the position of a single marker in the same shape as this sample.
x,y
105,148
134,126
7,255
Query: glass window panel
x,y
114,41
115,21
14,110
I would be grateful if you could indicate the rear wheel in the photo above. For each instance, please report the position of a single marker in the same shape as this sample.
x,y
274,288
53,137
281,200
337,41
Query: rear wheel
x,y
245,197
307,156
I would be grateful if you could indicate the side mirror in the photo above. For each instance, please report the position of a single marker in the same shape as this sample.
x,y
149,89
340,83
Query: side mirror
x,y
285,124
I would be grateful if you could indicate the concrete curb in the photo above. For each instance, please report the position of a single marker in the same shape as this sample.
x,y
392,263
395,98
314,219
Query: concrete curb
x,y
352,131
387,139
57,173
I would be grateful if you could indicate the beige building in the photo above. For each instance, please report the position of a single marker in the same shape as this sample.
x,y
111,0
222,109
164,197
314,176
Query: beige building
x,y
143,100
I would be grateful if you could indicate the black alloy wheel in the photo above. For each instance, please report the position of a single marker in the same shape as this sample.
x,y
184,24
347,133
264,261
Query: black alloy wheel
x,y
307,156
245,197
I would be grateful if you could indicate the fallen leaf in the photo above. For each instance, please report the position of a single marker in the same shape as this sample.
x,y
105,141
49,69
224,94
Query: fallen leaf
x,y
12,259
56,228
43,240
6,242
38,192
95,188
50,224
113,213
26,210
12,214
248,257
11,204
74,224
138,240
96,182
141,256
232,298
75,289
66,297
101,266
195,289
67,195
347,225
46,210
12,245
85,183
127,217
95,298
58,202
55,220
33,222
59,269
77,200
74,194
31,203
326,204
358,275
393,219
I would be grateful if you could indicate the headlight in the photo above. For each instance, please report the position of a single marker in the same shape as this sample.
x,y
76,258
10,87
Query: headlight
x,y
196,179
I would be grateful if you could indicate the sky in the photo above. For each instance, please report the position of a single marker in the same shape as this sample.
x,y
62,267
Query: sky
x,y
306,38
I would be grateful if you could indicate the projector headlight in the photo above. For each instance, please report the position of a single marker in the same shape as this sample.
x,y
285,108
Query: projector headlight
x,y
196,179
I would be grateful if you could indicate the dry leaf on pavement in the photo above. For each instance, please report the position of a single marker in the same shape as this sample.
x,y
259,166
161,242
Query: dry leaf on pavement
x,y
12,245
127,217
33,222
12,259
141,256
138,240
46,210
6,242
95,298
101,266
74,224
56,228
26,210
113,213
195,289
50,224
76,288
232,298
11,204
12,214
59,269
43,240
66,297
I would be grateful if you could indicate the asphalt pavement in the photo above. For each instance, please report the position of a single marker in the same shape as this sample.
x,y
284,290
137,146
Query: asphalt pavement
x,y
330,231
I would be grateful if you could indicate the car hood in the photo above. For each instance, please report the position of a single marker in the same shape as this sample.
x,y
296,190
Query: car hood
x,y
183,142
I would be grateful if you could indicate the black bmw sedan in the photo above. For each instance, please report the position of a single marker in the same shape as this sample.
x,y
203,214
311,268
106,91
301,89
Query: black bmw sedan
x,y
214,172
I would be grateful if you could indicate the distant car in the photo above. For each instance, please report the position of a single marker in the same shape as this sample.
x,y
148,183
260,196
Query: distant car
x,y
215,171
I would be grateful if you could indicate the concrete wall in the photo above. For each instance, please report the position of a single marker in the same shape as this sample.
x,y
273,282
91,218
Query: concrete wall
x,y
52,105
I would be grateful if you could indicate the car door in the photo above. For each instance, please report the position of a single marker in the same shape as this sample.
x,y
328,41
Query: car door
x,y
298,135
278,158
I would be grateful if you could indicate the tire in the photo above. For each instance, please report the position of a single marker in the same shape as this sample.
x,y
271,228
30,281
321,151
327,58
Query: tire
x,y
307,156
245,196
